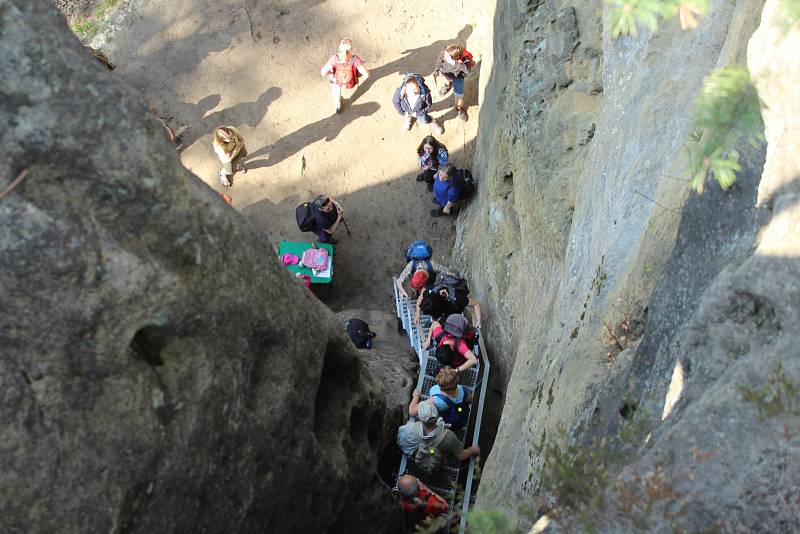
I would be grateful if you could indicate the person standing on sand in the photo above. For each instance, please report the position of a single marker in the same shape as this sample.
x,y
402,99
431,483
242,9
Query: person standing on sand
x,y
343,69
454,63
413,101
229,146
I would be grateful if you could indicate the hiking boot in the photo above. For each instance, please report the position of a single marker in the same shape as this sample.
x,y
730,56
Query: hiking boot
x,y
437,212
407,123
462,114
445,89
436,128
337,110
421,177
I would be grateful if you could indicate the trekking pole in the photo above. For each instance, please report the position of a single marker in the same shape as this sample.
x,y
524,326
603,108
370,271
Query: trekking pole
x,y
436,81
345,226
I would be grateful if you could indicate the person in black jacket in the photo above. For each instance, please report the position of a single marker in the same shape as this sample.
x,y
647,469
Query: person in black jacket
x,y
413,100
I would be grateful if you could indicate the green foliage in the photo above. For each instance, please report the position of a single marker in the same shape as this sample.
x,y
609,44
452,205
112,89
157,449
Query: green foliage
x,y
86,26
727,111
778,396
489,522
627,15
791,12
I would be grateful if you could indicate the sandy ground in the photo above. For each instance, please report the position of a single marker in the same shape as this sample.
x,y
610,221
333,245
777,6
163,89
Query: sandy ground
x,y
198,62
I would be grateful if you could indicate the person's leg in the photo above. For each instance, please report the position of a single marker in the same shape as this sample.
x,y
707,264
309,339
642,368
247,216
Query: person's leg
x,y
458,92
336,94
226,173
434,126
238,161
447,85
408,121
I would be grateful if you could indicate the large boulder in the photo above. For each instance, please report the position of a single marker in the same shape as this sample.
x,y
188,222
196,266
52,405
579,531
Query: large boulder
x,y
160,371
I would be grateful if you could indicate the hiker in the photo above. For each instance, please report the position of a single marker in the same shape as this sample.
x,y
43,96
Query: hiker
x,y
454,64
343,70
451,347
447,191
229,146
437,304
432,155
428,443
452,400
413,101
327,215
425,272
418,501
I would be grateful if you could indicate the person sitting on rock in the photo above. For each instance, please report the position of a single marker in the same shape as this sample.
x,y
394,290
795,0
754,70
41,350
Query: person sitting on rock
x,y
327,215
447,192
418,501
451,347
438,305
413,100
343,70
432,155
454,63
422,276
229,146
428,443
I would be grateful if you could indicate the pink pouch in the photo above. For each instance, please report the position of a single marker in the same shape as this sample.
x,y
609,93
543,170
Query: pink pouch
x,y
290,259
316,259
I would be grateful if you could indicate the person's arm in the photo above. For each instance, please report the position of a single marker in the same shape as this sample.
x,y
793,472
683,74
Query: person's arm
x,y
472,361
327,68
396,99
419,303
476,308
363,71
413,407
441,269
443,157
439,63
433,327
469,452
402,278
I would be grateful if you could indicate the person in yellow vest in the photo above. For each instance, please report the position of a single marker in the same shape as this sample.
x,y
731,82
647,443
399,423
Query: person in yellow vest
x,y
229,146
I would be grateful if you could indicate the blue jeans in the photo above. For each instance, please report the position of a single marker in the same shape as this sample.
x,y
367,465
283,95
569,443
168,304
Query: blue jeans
x,y
458,84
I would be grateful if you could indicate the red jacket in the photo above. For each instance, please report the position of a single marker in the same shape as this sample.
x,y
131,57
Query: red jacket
x,y
430,504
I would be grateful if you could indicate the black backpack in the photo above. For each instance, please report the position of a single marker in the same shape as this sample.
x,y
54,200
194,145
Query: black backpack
x,y
466,181
457,414
359,333
453,285
304,214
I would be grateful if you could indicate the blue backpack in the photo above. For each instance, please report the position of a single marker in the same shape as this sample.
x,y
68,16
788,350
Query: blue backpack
x,y
457,415
420,250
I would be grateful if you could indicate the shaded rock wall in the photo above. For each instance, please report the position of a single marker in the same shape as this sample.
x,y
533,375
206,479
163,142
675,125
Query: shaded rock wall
x,y
160,371
591,254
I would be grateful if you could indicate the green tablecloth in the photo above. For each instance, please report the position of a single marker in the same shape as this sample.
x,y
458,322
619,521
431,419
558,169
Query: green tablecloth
x,y
291,247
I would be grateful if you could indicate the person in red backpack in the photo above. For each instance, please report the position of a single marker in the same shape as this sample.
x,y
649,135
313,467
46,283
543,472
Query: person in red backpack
x,y
343,69
454,64
418,501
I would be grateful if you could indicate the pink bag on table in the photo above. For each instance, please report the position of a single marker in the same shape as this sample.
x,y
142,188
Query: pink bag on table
x,y
316,259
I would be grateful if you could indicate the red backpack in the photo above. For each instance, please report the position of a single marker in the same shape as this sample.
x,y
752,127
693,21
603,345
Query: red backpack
x,y
346,73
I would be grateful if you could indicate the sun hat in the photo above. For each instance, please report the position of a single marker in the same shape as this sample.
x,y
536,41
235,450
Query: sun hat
x,y
456,324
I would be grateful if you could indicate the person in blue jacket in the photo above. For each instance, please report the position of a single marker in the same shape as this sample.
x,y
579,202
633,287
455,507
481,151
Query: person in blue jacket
x,y
447,192
413,100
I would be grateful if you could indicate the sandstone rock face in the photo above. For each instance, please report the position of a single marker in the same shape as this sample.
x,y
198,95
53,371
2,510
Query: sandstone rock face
x,y
601,271
160,372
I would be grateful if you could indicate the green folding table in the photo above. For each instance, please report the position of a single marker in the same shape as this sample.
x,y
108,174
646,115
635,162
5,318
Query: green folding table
x,y
296,248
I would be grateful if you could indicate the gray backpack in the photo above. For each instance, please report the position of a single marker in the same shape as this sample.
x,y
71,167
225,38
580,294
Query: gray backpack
x,y
428,457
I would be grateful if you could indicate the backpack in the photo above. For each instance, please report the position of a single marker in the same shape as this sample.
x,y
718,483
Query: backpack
x,y
428,457
420,250
346,73
466,182
305,217
453,285
359,333
315,259
457,415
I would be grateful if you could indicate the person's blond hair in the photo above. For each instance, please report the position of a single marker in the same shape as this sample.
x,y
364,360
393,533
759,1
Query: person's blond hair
x,y
447,378
223,135
346,44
